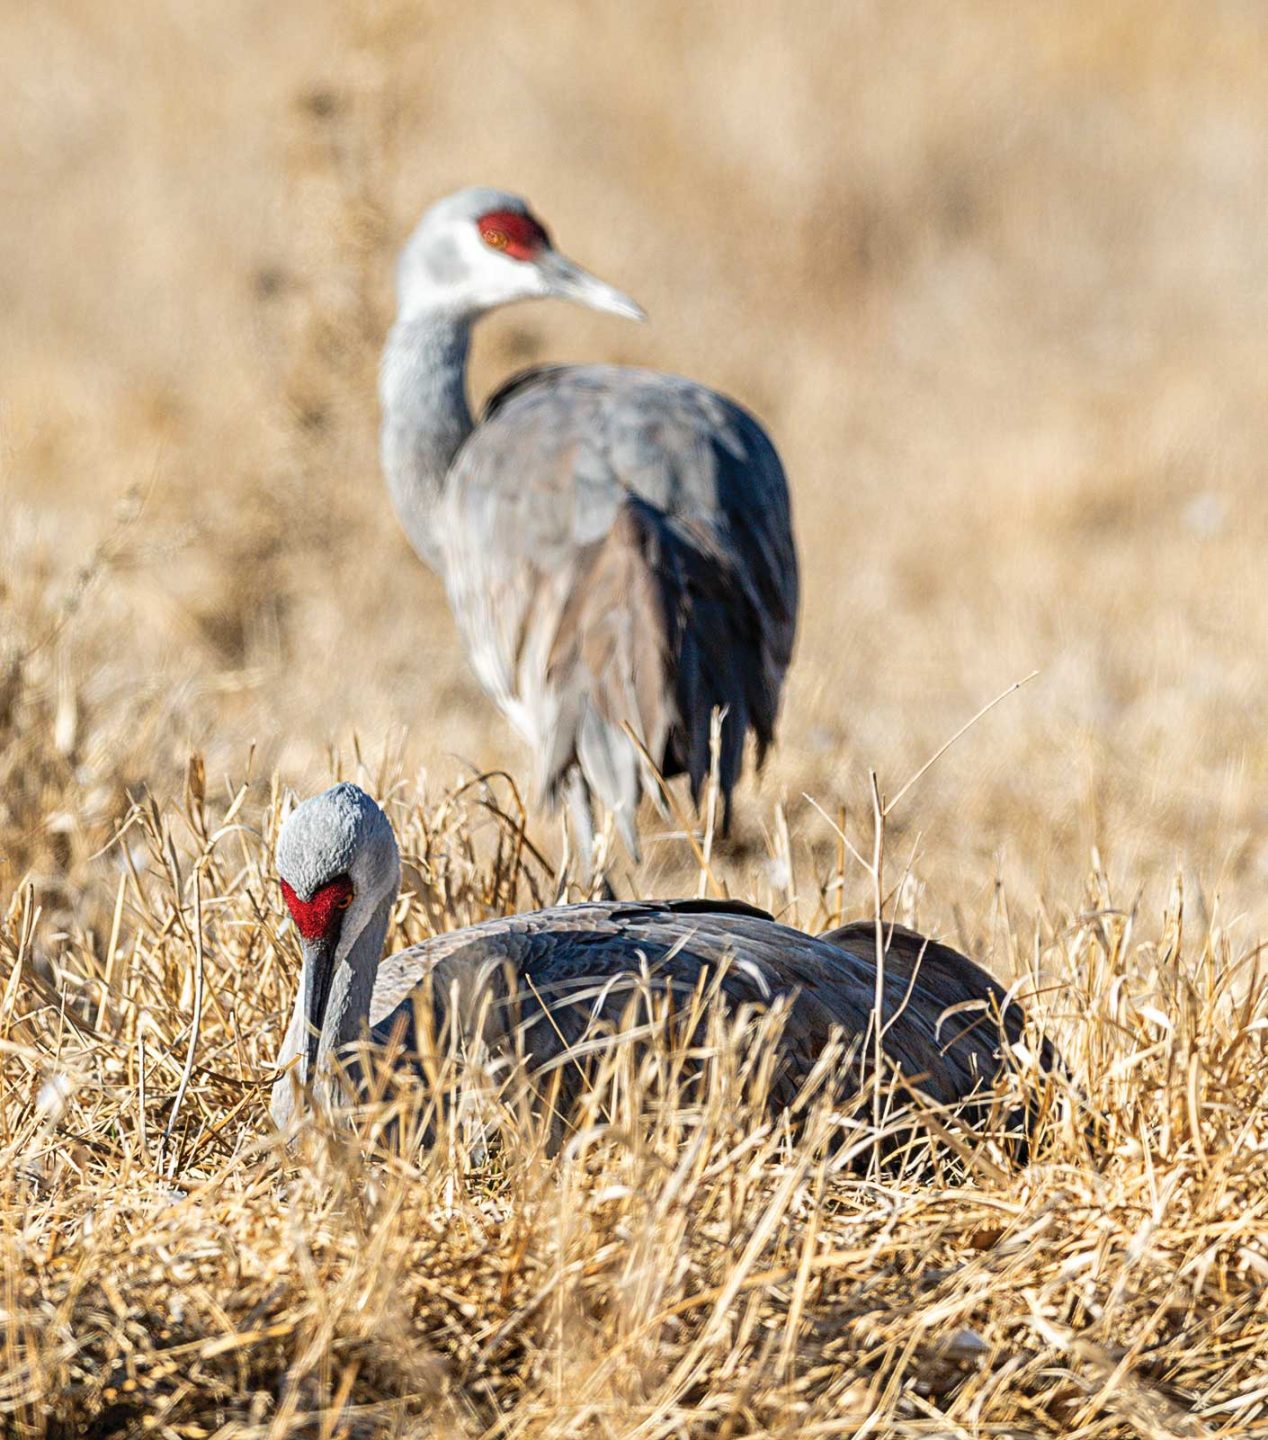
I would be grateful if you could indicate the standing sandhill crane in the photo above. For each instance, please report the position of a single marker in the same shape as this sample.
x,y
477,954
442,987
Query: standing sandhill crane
x,y
553,973
616,543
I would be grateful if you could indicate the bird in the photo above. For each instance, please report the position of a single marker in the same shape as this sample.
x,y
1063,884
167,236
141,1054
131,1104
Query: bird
x,y
616,543
544,979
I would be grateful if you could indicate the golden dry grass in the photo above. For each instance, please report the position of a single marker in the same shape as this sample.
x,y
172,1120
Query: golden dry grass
x,y
995,279
679,1268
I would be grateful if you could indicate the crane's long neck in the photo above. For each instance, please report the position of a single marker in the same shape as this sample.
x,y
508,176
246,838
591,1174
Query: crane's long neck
x,y
347,1014
423,390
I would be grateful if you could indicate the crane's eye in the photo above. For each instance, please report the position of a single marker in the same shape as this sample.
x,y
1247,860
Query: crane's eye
x,y
496,239
344,901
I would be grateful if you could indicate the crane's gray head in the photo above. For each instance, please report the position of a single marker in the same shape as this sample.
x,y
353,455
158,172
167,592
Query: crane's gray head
x,y
480,248
340,869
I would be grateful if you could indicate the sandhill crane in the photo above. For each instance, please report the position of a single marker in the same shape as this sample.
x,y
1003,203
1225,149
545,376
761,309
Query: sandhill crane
x,y
616,543
558,970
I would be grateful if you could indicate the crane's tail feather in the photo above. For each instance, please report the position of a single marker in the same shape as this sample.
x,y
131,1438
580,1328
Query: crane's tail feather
x,y
658,634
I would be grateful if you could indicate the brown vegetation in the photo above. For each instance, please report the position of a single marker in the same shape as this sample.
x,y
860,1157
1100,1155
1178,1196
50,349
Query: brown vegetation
x,y
994,278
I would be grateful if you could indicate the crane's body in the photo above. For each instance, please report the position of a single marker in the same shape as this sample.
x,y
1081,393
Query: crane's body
x,y
616,543
554,974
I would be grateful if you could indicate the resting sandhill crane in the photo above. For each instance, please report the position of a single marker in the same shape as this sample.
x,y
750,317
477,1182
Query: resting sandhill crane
x,y
616,543
554,973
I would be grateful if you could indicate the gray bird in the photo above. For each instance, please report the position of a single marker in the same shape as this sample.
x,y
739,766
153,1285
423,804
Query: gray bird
x,y
553,975
616,543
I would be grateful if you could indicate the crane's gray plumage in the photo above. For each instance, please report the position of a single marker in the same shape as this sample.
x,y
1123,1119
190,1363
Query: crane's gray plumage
x,y
616,543
552,975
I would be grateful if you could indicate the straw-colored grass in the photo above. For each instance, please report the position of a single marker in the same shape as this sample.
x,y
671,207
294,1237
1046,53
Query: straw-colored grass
x,y
994,278
682,1265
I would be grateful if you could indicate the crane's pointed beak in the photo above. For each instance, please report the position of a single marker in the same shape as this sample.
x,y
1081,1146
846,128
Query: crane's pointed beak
x,y
571,282
319,967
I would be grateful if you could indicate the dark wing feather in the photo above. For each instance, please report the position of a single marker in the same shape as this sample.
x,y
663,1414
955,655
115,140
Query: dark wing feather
x,y
618,550
521,380
714,907
544,980
943,978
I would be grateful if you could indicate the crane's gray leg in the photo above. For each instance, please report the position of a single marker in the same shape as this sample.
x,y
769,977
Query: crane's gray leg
x,y
581,813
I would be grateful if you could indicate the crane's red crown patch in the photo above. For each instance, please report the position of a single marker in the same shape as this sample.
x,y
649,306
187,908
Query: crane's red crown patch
x,y
516,235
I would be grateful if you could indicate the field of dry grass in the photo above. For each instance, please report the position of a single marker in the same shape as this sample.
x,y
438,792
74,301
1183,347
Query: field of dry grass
x,y
996,279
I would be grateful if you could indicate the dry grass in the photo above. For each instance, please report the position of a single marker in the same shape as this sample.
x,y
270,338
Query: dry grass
x,y
994,276
676,1269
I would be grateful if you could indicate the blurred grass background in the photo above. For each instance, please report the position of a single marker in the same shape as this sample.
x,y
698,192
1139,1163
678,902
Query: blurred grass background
x,y
995,277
